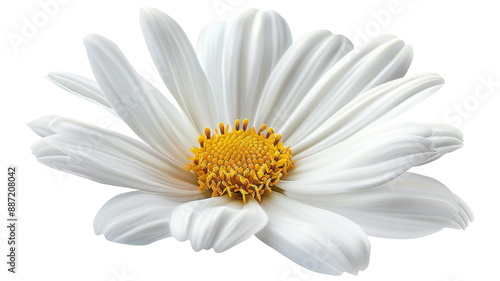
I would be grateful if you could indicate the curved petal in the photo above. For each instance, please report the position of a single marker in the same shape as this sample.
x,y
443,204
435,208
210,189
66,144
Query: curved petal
x,y
384,59
407,207
138,218
80,86
219,222
465,213
255,42
370,159
314,238
107,157
179,68
301,66
210,50
148,113
374,106
446,139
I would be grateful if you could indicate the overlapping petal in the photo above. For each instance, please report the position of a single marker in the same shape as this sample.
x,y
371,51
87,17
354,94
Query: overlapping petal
x,y
218,222
384,59
148,113
446,139
210,50
372,107
107,157
255,42
314,238
82,87
301,66
370,159
178,65
410,206
138,218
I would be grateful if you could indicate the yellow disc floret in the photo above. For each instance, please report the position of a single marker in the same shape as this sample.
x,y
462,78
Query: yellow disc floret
x,y
240,163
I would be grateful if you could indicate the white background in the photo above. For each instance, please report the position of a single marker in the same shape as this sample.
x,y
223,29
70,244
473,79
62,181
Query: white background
x,y
56,210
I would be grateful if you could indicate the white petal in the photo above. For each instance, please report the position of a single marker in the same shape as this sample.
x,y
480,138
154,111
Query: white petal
x,y
407,207
383,60
137,218
314,238
150,115
179,68
210,50
441,138
80,86
256,40
364,161
465,213
301,66
219,222
41,125
446,139
374,106
108,157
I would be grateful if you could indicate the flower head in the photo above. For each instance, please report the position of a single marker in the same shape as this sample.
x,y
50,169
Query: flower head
x,y
312,164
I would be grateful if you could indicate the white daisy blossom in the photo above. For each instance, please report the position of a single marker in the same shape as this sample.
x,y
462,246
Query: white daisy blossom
x,y
200,178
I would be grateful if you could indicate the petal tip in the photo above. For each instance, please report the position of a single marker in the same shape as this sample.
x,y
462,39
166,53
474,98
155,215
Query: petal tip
x,y
41,126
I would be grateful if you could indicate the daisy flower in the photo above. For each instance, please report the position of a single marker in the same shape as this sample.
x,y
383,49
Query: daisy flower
x,y
293,142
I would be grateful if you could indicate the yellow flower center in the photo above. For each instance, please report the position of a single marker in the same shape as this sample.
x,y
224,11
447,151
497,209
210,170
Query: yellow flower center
x,y
240,163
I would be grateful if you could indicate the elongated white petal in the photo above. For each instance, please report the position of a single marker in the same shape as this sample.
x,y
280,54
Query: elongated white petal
x,y
179,68
407,207
314,238
219,222
255,42
210,50
363,162
383,60
465,213
441,138
80,86
150,115
374,106
138,218
108,157
370,158
301,66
